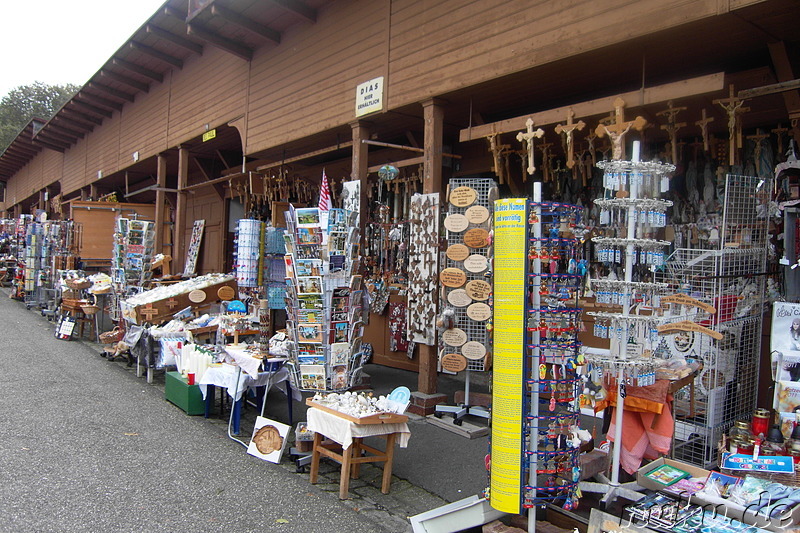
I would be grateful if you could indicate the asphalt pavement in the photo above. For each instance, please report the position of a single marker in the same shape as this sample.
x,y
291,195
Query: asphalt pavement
x,y
88,446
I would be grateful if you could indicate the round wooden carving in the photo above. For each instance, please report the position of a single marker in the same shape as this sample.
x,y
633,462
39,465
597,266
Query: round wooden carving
x,y
476,238
454,337
477,289
226,293
473,350
197,296
477,214
479,311
463,196
456,223
268,439
454,362
452,277
457,252
476,263
459,298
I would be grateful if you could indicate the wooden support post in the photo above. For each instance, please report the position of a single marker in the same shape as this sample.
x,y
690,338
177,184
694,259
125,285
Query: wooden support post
x,y
94,193
179,231
431,183
84,194
161,182
360,170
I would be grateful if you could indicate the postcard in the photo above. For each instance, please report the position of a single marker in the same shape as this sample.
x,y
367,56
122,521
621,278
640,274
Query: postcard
x,y
339,331
309,284
307,217
340,353
310,333
312,377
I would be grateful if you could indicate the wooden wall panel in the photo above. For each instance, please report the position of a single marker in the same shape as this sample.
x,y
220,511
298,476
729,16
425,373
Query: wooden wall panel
x,y
461,43
211,89
144,124
96,219
102,151
206,205
308,84
52,166
75,166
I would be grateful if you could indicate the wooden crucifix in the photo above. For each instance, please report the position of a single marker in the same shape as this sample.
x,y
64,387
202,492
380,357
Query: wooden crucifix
x,y
567,130
496,148
779,131
545,149
526,138
733,107
703,123
617,130
672,127
757,138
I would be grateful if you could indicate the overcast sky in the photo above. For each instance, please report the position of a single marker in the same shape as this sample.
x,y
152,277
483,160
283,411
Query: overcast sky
x,y
64,41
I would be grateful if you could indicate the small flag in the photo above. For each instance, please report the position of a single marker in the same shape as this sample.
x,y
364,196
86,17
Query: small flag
x,y
324,193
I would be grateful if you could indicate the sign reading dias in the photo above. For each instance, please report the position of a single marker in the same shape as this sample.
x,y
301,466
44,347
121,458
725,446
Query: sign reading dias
x,y
369,96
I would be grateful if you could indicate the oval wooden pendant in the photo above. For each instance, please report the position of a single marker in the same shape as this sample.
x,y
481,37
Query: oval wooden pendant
x,y
477,289
477,214
457,252
456,223
452,277
197,296
454,362
226,293
476,238
463,196
459,298
479,311
454,337
473,350
476,263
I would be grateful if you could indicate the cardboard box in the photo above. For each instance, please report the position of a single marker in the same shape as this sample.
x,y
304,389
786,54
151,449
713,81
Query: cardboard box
x,y
187,397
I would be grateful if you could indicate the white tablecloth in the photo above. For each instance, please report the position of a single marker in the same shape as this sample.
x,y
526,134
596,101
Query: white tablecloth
x,y
225,376
250,365
343,431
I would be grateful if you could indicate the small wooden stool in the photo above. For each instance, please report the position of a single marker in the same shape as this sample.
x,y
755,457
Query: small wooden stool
x,y
351,459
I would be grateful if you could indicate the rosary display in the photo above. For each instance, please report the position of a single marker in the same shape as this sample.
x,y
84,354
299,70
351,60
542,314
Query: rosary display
x,y
324,298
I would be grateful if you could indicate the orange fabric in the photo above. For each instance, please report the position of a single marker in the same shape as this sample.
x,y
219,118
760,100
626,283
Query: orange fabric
x,y
646,435
649,399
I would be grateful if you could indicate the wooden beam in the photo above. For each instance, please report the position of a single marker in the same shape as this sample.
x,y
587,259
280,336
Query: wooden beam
x,y
69,131
99,101
91,108
122,95
125,80
78,116
22,149
156,54
298,8
201,164
245,23
56,136
16,158
175,13
220,42
73,122
784,72
177,40
321,151
136,69
601,106
400,164
50,146
161,183
178,230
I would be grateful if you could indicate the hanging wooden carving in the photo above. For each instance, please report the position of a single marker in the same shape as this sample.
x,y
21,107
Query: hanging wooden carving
x,y
423,254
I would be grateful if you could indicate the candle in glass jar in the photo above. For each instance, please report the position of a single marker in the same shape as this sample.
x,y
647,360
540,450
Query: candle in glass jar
x,y
760,423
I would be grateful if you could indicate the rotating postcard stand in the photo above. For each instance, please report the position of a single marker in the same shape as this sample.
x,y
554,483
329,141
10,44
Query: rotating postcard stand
x,y
630,211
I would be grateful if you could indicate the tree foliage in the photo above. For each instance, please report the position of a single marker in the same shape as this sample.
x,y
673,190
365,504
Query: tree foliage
x,y
21,104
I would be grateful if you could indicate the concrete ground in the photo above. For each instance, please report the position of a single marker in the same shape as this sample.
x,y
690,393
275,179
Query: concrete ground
x,y
88,446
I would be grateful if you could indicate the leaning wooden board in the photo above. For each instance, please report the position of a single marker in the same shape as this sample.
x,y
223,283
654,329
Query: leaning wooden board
x,y
162,310
377,418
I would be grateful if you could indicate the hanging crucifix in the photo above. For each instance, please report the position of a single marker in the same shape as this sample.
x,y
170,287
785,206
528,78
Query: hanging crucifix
x,y
672,127
526,138
733,107
567,130
757,138
617,130
545,149
703,123
497,149
779,131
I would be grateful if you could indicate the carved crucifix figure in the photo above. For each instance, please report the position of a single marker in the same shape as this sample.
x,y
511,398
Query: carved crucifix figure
x,y
779,131
567,130
757,138
672,127
619,128
703,123
497,149
733,107
545,149
526,138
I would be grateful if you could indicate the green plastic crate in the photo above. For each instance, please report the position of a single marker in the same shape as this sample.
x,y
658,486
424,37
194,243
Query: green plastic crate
x,y
187,397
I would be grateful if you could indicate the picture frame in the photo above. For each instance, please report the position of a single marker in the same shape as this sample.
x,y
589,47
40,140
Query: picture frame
x,y
268,440
667,475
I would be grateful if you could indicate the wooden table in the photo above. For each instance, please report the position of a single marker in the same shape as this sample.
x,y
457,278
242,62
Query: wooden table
x,y
389,426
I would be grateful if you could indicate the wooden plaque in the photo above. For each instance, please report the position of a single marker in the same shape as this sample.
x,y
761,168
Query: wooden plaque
x,y
454,362
473,350
476,263
463,196
226,293
459,298
477,214
479,311
477,289
457,252
452,277
197,296
456,223
454,337
476,238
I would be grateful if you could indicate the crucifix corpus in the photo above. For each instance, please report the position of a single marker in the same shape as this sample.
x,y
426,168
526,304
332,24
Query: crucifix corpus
x,y
617,130
526,138
567,130
703,123
672,127
733,107
497,150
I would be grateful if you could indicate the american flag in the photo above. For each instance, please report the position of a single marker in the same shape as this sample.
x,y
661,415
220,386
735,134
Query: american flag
x,y
324,193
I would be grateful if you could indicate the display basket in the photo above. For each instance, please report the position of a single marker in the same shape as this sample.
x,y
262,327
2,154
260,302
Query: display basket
x,y
110,337
78,284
